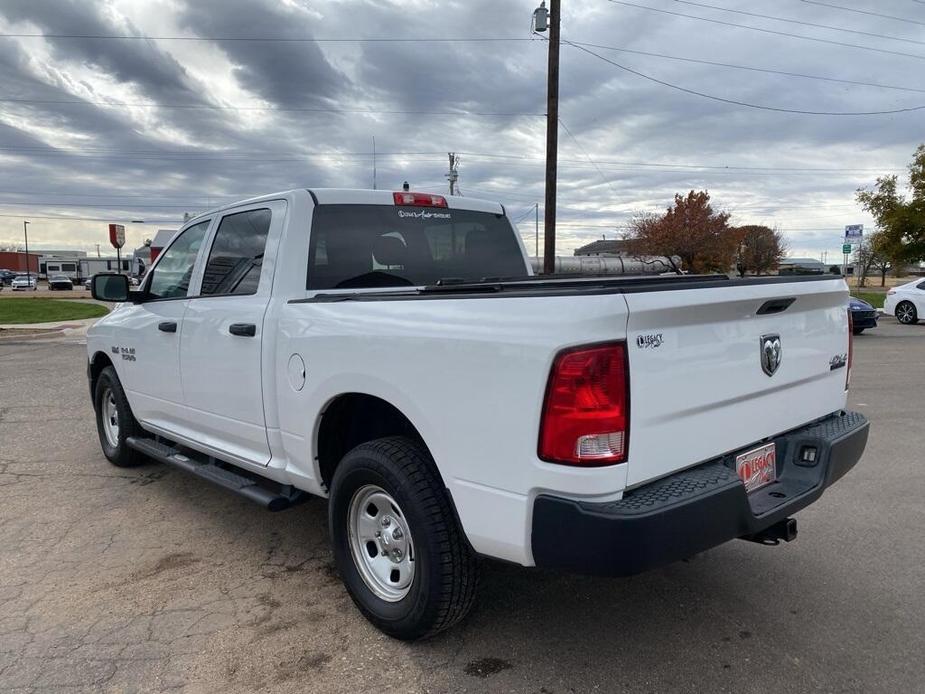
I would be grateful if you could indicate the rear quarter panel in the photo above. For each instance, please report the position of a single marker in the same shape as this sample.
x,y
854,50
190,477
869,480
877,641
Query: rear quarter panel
x,y
470,374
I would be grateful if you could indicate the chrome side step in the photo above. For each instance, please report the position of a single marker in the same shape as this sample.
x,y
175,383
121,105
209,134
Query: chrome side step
x,y
209,469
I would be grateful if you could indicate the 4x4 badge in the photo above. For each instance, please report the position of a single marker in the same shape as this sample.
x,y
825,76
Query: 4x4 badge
x,y
770,353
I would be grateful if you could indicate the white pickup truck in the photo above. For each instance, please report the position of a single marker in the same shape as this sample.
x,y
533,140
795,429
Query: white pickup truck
x,y
393,353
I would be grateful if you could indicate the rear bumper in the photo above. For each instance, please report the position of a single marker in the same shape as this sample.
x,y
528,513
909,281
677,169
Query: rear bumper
x,y
680,515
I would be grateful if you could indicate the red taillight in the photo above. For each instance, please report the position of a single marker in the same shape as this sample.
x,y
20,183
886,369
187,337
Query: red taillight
x,y
419,199
585,417
850,347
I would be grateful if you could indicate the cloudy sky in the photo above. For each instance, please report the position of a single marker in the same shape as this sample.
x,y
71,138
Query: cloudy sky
x,y
141,109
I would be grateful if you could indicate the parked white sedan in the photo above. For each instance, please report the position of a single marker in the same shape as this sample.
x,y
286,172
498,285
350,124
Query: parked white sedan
x,y
906,302
24,282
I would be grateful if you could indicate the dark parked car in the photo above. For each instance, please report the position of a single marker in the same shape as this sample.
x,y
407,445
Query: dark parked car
x,y
60,282
863,315
7,277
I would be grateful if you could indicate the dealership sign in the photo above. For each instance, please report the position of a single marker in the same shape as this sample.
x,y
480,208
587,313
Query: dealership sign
x,y
854,232
117,235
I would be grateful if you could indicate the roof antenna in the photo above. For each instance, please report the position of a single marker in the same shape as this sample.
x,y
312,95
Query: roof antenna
x,y
406,186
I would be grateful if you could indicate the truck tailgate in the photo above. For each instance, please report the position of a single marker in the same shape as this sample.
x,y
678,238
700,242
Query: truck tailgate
x,y
697,386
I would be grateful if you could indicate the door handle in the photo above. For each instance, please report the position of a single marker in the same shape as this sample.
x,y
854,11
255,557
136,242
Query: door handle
x,y
243,329
167,326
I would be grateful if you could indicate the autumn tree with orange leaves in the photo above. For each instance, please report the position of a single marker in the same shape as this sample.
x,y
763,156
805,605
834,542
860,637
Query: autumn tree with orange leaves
x,y
692,230
759,249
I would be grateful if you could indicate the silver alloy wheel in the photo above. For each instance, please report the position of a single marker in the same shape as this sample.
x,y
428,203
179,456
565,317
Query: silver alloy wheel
x,y
380,542
904,312
110,416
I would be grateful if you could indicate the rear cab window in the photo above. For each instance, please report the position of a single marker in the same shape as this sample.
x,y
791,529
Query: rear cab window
x,y
365,246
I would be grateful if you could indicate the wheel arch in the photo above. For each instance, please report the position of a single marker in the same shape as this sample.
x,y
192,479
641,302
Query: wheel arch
x,y
349,419
99,361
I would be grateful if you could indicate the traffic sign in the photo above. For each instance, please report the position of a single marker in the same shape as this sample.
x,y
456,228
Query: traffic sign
x,y
846,249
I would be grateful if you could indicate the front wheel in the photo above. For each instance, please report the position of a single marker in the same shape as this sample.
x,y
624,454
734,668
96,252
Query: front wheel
x,y
858,331
115,422
397,544
906,313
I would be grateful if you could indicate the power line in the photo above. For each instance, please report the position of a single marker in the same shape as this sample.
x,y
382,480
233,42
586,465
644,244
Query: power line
x,y
867,12
767,31
374,112
751,68
107,194
67,218
582,149
736,102
676,165
99,206
800,22
422,156
273,39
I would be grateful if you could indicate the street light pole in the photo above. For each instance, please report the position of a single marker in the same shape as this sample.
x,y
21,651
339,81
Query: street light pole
x,y
25,231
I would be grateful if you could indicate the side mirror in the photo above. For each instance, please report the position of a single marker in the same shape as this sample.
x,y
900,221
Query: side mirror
x,y
109,287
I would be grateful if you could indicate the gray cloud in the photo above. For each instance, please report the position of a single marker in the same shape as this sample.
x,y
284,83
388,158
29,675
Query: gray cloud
x,y
283,73
155,163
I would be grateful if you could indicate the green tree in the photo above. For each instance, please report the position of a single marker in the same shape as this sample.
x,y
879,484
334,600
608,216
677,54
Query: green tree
x,y
873,255
900,220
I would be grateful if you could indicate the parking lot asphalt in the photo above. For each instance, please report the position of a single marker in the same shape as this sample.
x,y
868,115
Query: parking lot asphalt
x,y
150,580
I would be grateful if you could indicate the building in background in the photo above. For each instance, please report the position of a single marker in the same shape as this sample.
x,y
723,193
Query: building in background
x,y
805,266
604,248
16,261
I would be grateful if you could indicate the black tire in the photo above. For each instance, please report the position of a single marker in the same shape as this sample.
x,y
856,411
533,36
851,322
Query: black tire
x,y
119,454
446,569
858,331
906,313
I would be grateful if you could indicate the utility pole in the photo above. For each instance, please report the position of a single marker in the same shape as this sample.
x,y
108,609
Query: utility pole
x,y
374,162
552,128
25,231
453,174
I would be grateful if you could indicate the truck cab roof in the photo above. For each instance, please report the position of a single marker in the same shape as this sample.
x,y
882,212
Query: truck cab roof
x,y
358,196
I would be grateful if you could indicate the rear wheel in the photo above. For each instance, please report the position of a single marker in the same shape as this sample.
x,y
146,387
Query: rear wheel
x,y
906,313
397,544
115,421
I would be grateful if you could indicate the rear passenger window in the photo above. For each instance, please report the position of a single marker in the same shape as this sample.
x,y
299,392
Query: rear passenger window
x,y
237,254
921,285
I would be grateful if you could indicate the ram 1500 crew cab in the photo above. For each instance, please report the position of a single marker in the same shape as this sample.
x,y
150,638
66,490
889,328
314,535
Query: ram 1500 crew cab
x,y
393,353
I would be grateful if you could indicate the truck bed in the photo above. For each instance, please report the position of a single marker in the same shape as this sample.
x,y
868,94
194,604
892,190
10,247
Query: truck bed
x,y
541,285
